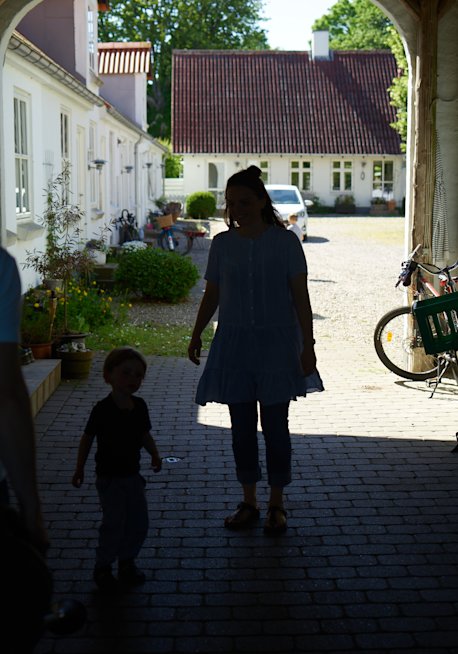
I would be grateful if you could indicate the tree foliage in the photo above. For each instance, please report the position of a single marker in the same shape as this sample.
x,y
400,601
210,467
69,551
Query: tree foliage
x,y
178,25
360,25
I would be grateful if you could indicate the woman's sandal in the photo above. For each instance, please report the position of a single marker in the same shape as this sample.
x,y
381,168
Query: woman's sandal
x,y
276,522
243,517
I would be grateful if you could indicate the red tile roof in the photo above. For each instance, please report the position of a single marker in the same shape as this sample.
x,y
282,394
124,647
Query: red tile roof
x,y
124,58
226,101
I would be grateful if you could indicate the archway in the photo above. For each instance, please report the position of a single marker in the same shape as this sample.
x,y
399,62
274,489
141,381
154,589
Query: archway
x,y
431,50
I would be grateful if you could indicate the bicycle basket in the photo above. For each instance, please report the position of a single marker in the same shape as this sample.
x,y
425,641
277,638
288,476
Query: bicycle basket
x,y
165,221
437,320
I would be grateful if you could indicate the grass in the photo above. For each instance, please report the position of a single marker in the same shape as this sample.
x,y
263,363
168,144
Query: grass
x,y
149,338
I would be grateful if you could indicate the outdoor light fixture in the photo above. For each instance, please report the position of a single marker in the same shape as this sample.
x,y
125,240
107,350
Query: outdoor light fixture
x,y
97,163
128,169
148,164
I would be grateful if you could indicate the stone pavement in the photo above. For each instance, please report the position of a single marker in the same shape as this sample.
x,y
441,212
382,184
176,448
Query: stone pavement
x,y
369,562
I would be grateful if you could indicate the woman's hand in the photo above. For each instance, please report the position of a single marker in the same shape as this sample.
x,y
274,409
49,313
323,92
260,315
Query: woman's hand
x,y
308,360
194,348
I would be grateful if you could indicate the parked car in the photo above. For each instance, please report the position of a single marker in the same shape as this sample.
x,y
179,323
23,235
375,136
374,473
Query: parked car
x,y
287,199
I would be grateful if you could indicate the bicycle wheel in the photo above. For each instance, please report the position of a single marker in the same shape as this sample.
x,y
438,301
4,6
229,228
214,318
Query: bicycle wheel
x,y
175,240
399,346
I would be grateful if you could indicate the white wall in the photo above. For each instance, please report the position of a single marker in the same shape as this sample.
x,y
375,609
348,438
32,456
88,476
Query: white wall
x,y
116,143
195,173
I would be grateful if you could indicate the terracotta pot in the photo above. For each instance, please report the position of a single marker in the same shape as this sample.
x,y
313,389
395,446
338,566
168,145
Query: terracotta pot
x,y
41,350
75,365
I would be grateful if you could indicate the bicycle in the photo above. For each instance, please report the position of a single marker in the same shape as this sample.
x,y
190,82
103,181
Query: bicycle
x,y
398,339
171,237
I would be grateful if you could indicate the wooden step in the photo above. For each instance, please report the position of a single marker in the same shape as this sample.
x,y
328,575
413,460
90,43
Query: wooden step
x,y
42,377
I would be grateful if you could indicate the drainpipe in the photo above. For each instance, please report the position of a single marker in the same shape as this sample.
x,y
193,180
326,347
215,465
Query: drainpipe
x,y
137,172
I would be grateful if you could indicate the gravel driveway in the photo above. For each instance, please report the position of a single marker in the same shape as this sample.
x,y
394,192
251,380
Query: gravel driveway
x,y
353,266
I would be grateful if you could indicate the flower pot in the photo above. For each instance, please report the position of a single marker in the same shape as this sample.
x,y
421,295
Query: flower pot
x,y
98,257
75,365
41,350
52,284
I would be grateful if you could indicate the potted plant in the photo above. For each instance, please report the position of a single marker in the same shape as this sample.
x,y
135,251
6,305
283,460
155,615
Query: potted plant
x,y
37,319
98,249
64,256
345,203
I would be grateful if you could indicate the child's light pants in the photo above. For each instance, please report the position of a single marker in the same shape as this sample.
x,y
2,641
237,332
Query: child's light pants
x,y
125,518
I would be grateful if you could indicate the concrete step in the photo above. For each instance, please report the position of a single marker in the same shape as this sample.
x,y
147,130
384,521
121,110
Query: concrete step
x,y
42,377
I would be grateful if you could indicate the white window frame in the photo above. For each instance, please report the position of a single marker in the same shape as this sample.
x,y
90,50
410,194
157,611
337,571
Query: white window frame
x,y
264,166
22,155
92,169
342,175
65,142
382,185
91,39
303,170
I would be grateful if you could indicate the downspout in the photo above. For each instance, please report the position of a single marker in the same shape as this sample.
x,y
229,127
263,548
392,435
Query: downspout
x,y
137,172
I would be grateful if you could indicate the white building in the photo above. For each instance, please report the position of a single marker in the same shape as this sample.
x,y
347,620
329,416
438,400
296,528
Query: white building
x,y
56,108
319,120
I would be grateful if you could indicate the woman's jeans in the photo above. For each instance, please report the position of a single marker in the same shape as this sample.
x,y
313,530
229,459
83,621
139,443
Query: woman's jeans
x,y
274,423
125,518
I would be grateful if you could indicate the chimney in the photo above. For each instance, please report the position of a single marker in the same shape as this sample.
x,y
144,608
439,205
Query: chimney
x,y
320,45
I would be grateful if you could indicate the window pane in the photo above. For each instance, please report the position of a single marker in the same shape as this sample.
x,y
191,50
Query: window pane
x,y
306,181
306,164
23,122
25,186
294,164
336,165
348,165
295,179
388,170
347,181
336,181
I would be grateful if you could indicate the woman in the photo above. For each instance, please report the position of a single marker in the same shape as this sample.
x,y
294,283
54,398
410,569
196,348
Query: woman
x,y
263,349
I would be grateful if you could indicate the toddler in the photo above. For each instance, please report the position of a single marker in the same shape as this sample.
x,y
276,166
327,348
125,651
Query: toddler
x,y
294,227
121,425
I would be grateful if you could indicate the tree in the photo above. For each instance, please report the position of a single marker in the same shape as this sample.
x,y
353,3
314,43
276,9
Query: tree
x,y
355,25
360,25
181,24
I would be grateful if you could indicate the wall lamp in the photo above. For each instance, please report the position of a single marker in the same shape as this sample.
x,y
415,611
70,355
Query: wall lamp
x,y
128,169
148,164
97,163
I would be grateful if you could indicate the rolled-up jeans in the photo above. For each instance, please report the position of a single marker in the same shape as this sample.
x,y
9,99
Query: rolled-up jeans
x,y
274,423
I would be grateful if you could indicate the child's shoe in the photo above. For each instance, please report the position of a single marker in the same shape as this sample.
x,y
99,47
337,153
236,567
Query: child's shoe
x,y
129,574
104,578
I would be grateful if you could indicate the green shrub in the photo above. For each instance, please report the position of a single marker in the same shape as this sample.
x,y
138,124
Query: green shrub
x,y
156,274
201,205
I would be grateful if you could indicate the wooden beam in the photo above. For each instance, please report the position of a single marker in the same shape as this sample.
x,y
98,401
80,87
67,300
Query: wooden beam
x,y
412,6
444,6
425,126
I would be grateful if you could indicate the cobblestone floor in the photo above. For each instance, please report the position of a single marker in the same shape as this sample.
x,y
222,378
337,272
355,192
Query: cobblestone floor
x,y
369,562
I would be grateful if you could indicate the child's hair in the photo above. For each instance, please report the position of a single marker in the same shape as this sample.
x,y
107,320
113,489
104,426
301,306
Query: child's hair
x,y
293,217
251,178
120,354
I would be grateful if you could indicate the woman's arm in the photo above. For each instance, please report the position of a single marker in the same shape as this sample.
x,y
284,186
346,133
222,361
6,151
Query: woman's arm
x,y
301,300
207,308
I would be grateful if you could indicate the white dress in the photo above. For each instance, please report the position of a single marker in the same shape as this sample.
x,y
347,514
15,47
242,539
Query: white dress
x,y
255,353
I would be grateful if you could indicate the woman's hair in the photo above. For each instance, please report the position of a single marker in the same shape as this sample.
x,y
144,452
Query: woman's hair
x,y
120,354
251,178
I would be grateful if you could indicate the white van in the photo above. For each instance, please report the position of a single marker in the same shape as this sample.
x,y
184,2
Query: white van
x,y
286,200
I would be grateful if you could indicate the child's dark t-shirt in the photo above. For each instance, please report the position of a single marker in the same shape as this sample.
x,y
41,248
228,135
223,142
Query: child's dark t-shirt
x,y
119,434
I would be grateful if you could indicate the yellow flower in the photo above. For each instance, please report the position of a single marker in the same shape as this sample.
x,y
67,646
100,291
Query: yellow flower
x,y
110,299
130,306
37,305
85,292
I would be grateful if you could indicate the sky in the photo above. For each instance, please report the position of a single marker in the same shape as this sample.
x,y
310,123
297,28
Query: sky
x,y
289,24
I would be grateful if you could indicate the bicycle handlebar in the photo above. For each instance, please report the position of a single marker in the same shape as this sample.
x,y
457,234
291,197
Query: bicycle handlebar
x,y
409,267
